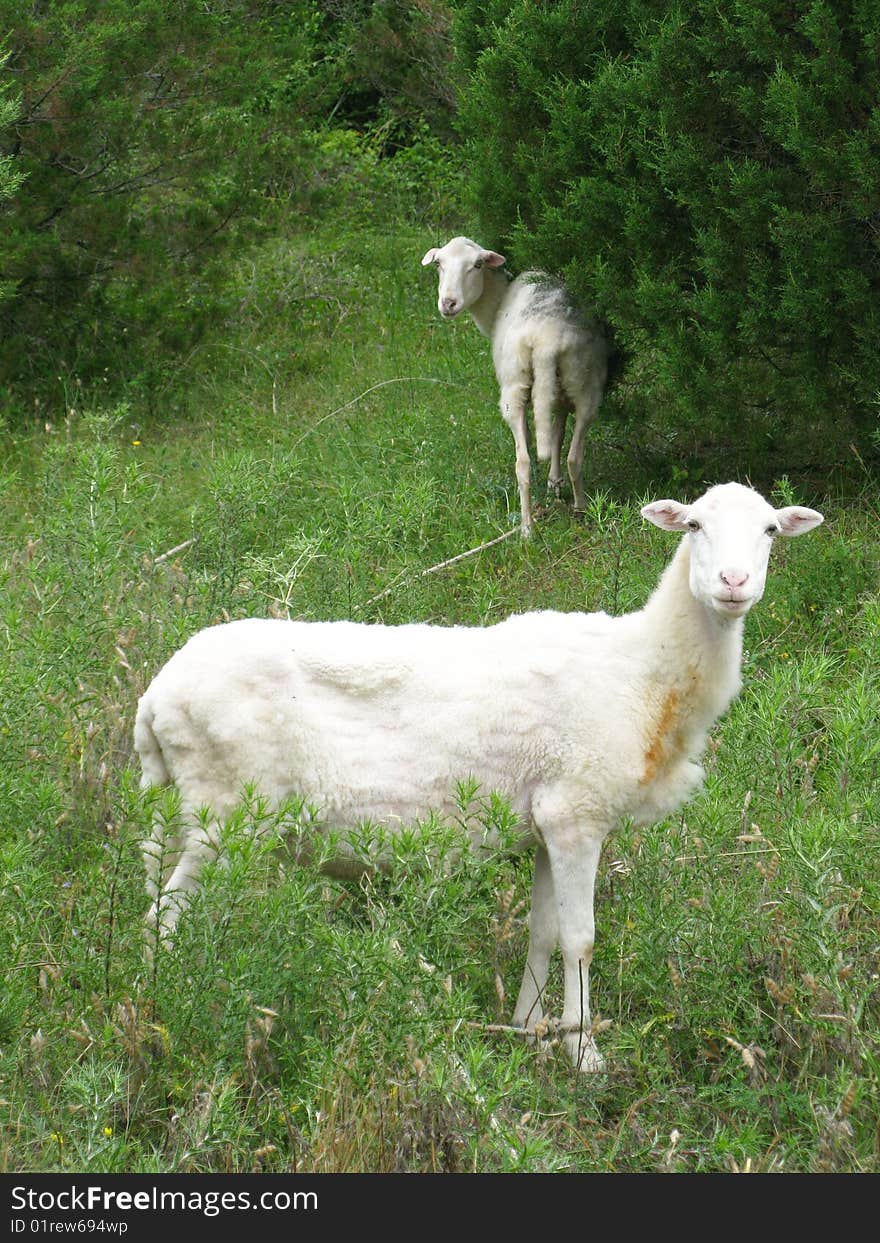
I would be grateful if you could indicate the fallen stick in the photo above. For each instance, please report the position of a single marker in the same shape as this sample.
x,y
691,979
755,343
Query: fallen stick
x,y
177,548
441,565
401,379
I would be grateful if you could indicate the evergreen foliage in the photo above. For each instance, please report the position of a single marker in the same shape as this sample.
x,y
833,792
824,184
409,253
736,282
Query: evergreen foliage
x,y
10,177
144,133
389,61
710,177
147,141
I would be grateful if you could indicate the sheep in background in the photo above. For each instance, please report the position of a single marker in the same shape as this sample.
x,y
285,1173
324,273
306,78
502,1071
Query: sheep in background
x,y
543,347
579,719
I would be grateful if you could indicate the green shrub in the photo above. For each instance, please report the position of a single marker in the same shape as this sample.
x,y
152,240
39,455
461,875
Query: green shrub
x,y
709,176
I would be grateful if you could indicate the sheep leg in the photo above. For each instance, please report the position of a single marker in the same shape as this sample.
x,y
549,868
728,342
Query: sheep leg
x,y
584,412
574,858
554,479
543,936
548,428
161,852
153,851
513,410
199,844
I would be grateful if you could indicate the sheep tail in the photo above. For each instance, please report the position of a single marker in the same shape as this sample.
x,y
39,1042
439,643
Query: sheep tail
x,y
153,767
544,393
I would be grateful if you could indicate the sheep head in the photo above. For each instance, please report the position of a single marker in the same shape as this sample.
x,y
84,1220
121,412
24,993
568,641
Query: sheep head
x,y
461,264
730,530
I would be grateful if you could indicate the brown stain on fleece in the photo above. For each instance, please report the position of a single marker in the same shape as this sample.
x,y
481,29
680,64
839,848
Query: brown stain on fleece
x,y
665,740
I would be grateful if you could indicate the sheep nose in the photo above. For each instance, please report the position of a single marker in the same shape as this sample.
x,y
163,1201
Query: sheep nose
x,y
448,305
734,578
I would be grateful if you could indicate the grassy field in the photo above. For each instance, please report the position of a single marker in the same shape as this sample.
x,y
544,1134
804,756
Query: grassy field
x,y
327,445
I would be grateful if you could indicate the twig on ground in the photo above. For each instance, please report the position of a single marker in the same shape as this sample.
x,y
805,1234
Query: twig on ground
x,y
177,548
401,379
263,363
441,565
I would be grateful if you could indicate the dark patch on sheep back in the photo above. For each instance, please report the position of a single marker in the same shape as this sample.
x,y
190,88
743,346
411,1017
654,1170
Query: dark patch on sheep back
x,y
550,300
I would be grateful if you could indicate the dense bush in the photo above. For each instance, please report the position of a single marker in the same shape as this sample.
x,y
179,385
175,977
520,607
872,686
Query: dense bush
x,y
140,145
143,133
387,61
710,176
10,175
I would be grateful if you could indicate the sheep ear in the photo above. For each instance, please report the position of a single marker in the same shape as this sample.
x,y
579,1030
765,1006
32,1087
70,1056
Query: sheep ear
x,y
430,257
667,515
797,519
492,259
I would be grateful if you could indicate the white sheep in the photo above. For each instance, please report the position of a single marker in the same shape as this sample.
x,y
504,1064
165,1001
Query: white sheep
x,y
579,719
543,347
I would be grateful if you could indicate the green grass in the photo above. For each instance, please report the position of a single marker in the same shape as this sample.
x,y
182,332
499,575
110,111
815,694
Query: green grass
x,y
326,445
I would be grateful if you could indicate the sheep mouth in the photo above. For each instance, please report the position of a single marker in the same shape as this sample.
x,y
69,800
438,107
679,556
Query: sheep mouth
x,y
450,314
732,607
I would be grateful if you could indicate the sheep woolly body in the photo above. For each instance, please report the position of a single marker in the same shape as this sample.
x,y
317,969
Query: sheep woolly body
x,y
544,349
578,719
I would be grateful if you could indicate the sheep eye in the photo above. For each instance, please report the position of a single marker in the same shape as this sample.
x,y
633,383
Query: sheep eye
x,y
693,525
772,530
478,263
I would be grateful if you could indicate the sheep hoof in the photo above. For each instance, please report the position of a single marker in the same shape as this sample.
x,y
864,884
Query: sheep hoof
x,y
584,1054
